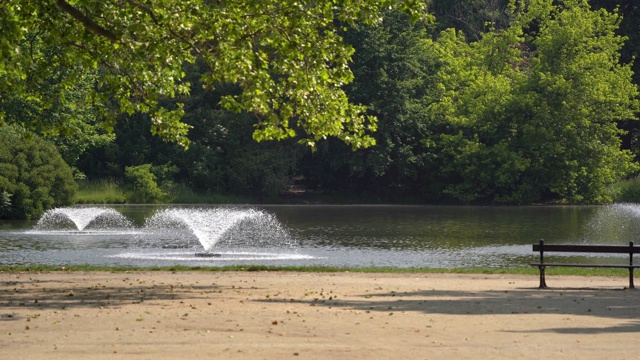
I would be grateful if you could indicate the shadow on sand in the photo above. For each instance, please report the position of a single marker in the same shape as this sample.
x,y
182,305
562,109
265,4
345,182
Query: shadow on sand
x,y
36,294
606,303
622,304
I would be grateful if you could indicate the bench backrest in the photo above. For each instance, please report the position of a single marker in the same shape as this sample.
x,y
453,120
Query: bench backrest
x,y
611,249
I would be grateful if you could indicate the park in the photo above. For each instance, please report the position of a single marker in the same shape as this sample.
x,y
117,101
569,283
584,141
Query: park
x,y
348,179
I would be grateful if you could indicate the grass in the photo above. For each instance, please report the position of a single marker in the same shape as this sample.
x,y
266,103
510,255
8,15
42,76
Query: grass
x,y
100,192
108,191
520,270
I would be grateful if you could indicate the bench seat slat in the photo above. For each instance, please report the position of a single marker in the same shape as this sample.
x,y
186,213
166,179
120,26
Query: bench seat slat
x,y
618,266
609,249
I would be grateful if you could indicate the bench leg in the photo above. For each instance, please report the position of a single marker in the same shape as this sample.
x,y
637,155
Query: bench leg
x,y
631,286
543,281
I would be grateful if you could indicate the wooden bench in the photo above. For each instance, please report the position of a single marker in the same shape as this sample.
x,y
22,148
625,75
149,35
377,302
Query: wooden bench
x,y
603,249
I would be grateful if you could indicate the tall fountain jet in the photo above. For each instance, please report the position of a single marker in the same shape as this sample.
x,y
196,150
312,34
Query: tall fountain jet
x,y
235,227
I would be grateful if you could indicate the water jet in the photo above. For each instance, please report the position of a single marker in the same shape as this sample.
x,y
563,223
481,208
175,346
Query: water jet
x,y
82,219
236,228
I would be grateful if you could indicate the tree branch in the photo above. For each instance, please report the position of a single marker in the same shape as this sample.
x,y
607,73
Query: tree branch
x,y
149,11
86,21
145,9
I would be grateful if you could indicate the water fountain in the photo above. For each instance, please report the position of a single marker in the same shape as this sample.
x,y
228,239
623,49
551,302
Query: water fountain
x,y
188,236
222,228
82,219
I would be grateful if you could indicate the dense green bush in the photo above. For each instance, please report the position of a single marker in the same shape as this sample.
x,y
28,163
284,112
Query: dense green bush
x,y
33,176
144,185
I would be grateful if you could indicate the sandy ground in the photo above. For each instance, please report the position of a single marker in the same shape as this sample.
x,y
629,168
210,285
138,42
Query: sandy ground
x,y
287,315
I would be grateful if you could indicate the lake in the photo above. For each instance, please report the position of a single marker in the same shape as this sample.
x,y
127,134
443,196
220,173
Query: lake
x,y
354,236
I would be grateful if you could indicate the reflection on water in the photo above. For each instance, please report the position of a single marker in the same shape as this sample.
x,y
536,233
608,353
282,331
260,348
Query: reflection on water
x,y
396,236
419,227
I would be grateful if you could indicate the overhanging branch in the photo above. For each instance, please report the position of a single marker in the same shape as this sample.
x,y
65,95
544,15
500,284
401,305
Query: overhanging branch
x,y
86,21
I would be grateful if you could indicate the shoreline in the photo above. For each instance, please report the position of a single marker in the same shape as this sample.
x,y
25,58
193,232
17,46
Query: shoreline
x,y
314,315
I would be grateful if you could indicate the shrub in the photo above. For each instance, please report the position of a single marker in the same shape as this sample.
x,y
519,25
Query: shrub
x,y
33,176
143,184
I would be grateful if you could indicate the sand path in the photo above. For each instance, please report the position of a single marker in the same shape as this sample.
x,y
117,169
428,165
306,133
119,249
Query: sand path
x,y
288,315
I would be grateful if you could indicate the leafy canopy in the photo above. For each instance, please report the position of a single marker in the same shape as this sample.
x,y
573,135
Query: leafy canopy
x,y
285,55
529,113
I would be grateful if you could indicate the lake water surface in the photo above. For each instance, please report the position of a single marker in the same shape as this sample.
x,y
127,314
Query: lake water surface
x,y
355,236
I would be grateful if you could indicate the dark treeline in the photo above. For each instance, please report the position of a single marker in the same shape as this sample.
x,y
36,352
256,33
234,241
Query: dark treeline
x,y
511,107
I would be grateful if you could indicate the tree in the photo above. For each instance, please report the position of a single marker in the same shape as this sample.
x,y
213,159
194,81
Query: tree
x,y
58,104
629,25
143,184
222,157
528,113
472,17
33,176
392,69
286,56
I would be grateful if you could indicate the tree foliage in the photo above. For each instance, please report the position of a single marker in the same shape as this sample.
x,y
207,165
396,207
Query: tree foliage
x,y
53,99
33,176
528,113
222,157
392,68
524,112
498,101
143,184
286,57
472,17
